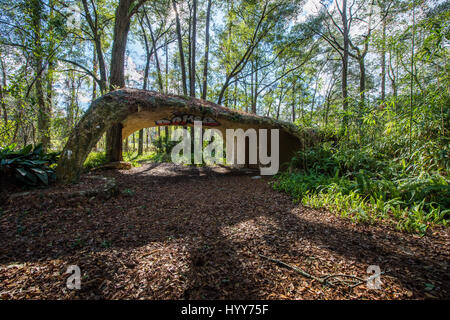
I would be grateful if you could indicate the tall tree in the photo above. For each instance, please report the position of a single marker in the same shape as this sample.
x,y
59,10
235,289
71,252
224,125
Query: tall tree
x,y
205,66
93,22
124,12
36,7
180,48
193,42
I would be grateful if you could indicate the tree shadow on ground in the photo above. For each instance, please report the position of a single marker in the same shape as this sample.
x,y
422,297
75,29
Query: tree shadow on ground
x,y
407,258
217,222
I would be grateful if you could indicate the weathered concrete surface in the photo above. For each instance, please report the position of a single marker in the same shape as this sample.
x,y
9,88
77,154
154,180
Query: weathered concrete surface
x,y
137,109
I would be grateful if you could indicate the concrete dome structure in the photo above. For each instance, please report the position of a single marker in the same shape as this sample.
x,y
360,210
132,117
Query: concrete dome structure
x,y
136,109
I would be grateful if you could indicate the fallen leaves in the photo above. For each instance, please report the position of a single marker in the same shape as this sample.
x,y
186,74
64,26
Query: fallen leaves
x,y
195,233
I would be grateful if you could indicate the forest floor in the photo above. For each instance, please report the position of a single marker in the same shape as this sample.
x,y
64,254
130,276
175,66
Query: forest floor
x,y
178,232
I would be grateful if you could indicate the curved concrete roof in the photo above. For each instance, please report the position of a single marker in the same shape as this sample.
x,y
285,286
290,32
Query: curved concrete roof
x,y
137,109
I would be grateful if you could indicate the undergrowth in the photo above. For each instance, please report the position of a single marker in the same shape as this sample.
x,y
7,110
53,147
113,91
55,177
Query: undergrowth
x,y
365,185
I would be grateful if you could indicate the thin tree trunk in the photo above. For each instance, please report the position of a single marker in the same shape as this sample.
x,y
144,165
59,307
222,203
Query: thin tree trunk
x,y
293,100
93,24
2,95
279,103
205,67
268,109
313,104
180,48
252,85
50,72
50,79
193,44
95,67
158,67
166,55
411,94
383,59
235,96
145,84
125,144
246,94
344,126
255,89
362,92
43,116
148,55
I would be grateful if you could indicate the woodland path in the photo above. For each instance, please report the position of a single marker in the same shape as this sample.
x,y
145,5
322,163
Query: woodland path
x,y
176,232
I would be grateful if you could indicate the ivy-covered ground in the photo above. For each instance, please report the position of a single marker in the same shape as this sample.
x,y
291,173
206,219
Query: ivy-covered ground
x,y
177,232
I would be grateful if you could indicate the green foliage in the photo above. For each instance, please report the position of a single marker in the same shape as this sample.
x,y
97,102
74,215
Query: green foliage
x,y
97,159
30,166
136,159
164,146
163,149
94,160
367,186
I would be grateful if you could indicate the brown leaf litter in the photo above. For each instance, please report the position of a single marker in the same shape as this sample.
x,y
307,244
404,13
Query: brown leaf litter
x,y
178,232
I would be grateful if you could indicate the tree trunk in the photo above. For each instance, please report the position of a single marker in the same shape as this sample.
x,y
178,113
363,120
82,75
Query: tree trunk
x,y
71,106
193,44
223,90
411,93
252,85
279,103
101,66
43,116
2,95
205,67
158,67
121,29
383,60
95,67
93,24
293,101
166,55
362,93
255,88
117,76
362,81
50,71
344,126
180,48
113,143
2,102
141,142
144,86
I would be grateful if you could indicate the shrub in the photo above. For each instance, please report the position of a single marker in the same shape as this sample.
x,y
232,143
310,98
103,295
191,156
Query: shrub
x,y
94,160
30,166
365,185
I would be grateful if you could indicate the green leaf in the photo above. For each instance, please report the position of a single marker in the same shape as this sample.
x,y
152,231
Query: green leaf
x,y
38,149
26,149
22,171
42,176
31,177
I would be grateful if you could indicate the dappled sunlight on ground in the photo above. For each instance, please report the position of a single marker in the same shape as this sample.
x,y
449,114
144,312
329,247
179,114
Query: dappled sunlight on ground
x,y
179,232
